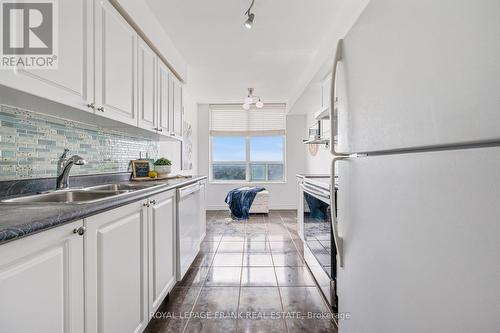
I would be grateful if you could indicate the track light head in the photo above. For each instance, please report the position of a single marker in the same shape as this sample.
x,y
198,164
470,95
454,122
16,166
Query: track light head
x,y
249,21
251,16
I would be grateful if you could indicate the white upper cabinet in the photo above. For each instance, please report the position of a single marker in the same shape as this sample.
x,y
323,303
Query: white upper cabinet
x,y
44,273
115,65
146,73
176,129
161,245
169,103
163,98
116,270
171,93
104,67
72,82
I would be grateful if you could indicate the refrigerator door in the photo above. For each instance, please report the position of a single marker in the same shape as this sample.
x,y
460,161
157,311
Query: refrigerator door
x,y
421,236
420,73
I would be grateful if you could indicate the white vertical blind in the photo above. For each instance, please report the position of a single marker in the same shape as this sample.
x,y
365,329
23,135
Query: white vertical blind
x,y
234,120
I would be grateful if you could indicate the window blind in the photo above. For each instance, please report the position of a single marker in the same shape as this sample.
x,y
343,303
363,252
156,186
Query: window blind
x,y
234,120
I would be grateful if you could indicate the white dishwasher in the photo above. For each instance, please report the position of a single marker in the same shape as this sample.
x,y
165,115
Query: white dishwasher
x,y
188,227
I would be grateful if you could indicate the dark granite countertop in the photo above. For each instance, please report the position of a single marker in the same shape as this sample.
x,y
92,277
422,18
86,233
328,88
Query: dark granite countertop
x,y
18,220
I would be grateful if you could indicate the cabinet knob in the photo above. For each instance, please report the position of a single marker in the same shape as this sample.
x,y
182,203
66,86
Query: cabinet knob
x,y
153,202
160,129
80,231
91,105
146,204
101,108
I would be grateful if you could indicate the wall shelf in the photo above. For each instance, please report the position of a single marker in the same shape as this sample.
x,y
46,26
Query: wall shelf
x,y
323,114
318,141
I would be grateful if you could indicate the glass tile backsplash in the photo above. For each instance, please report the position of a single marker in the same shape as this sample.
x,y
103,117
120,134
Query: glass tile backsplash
x,y
31,143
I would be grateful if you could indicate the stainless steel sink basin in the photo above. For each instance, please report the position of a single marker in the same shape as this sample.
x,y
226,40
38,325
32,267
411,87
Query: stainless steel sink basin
x,y
70,196
119,187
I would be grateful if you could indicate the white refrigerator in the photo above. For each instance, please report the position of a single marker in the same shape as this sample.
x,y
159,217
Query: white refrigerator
x,y
416,110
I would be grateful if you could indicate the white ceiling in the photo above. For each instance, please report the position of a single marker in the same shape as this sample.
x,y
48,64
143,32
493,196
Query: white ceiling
x,y
277,57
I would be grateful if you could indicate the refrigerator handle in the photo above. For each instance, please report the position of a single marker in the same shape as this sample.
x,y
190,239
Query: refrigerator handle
x,y
334,128
335,227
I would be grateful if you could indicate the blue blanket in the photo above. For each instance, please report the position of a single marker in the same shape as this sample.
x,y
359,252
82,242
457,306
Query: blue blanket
x,y
240,201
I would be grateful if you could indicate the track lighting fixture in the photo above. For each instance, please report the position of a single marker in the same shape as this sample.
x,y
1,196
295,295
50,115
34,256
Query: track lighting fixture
x,y
250,16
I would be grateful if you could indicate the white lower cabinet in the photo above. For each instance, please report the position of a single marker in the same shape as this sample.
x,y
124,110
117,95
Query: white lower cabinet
x,y
116,258
129,264
41,282
104,274
161,234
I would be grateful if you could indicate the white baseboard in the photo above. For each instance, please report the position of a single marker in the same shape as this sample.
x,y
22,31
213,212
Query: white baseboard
x,y
271,207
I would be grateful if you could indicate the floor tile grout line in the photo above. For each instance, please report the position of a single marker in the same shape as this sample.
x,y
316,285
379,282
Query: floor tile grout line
x,y
201,288
279,293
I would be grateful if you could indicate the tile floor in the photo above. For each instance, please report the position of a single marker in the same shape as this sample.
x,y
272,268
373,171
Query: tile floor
x,y
249,277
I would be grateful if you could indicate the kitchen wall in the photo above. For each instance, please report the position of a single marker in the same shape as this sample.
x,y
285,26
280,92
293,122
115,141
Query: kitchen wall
x,y
282,195
309,100
309,103
30,144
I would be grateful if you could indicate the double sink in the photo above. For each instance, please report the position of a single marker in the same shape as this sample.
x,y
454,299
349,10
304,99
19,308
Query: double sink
x,y
85,195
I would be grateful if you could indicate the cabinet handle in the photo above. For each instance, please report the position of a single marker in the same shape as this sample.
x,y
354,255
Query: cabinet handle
x,y
160,129
80,231
91,105
146,204
101,108
153,202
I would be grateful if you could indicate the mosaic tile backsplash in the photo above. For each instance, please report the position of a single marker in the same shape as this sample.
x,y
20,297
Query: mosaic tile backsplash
x,y
31,143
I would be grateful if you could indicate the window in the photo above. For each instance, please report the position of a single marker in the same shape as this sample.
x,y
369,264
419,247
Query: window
x,y
229,158
247,145
266,158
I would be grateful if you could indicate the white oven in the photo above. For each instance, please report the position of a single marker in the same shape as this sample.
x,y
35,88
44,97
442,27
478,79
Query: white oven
x,y
319,250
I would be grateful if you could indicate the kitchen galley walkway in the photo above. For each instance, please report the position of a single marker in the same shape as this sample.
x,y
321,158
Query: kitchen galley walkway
x,y
249,276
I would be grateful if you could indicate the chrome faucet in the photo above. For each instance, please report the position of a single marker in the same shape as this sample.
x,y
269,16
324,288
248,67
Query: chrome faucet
x,y
64,166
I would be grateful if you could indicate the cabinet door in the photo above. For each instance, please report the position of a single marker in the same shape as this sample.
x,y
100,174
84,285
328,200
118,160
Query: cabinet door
x,y
177,111
203,210
146,73
72,82
161,248
163,98
115,61
116,270
171,98
44,273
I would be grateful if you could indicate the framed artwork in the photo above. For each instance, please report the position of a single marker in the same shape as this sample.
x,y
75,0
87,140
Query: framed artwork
x,y
140,169
187,147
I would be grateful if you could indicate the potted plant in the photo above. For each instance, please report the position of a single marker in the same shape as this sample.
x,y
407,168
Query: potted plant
x,y
162,166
